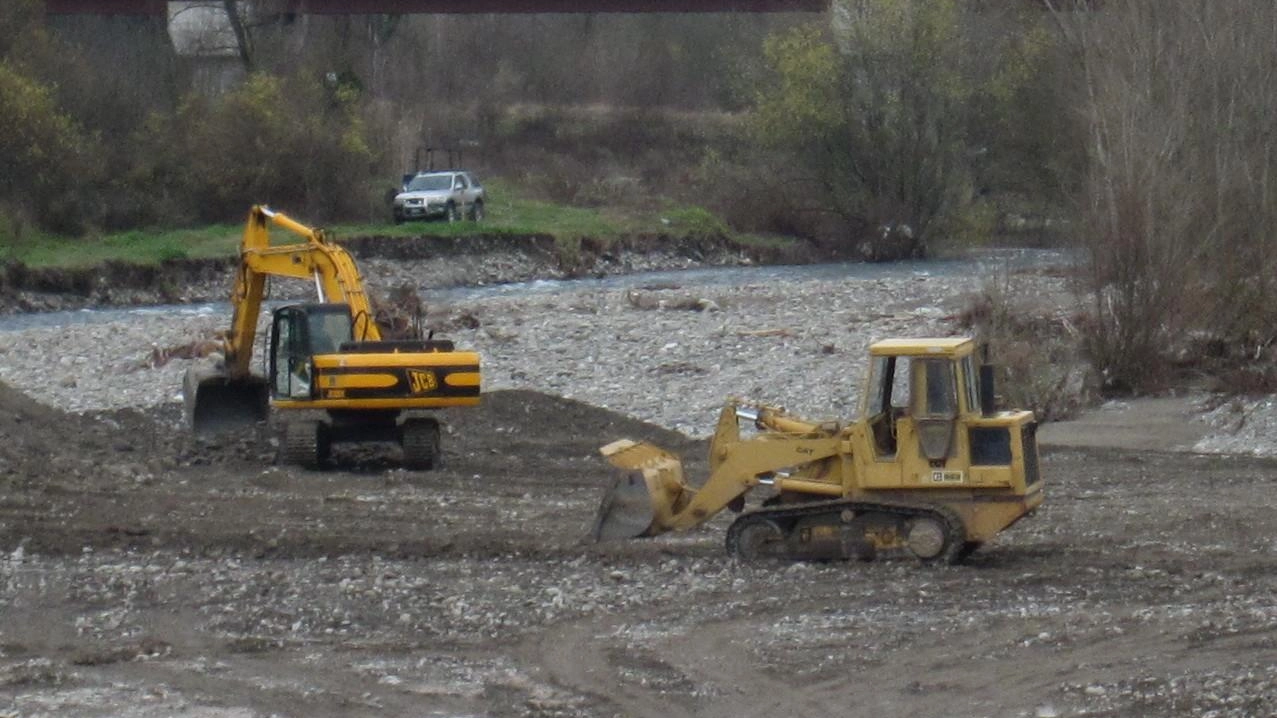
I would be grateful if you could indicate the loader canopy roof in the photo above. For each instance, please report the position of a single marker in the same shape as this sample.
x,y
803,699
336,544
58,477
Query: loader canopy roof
x,y
941,346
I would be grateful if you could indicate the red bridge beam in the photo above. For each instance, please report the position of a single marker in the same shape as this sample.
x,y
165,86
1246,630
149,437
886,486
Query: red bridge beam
x,y
106,7
368,7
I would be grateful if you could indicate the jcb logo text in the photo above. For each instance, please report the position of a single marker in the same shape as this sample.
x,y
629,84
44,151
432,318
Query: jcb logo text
x,y
422,382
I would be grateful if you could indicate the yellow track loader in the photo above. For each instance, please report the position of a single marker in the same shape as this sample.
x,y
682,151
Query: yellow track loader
x,y
327,356
930,470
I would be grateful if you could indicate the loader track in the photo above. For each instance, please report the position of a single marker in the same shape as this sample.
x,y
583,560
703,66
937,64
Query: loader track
x,y
763,532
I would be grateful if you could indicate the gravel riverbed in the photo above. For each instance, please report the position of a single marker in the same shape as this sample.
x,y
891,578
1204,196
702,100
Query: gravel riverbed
x,y
143,573
667,352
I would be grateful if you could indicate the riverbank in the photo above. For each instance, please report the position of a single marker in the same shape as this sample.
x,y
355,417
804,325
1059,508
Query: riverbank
x,y
425,261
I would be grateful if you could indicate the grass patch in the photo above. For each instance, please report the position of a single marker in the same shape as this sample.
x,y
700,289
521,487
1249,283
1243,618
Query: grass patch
x,y
693,220
509,211
139,246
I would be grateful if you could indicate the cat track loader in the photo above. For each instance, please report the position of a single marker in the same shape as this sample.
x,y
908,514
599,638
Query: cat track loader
x,y
930,470
326,358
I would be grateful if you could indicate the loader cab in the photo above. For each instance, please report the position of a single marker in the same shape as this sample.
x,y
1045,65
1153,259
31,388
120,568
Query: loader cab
x,y
916,391
299,332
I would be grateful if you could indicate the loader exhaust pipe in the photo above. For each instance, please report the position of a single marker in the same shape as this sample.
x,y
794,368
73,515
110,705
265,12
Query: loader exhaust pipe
x,y
988,399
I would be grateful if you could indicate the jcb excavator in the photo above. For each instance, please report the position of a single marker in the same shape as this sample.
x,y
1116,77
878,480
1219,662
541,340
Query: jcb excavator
x,y
930,470
327,356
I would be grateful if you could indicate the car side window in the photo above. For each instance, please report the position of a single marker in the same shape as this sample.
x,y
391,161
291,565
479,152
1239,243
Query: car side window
x,y
461,182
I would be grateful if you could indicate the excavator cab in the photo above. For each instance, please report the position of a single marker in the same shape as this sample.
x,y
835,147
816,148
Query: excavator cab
x,y
299,332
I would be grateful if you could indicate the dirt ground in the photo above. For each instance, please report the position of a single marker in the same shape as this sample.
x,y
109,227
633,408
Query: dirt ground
x,y
147,573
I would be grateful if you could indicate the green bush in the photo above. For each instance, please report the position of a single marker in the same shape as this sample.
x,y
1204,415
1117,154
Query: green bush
x,y
42,162
294,144
886,115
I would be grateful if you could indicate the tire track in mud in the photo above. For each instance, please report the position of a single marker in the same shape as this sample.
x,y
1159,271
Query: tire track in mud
x,y
574,656
978,661
987,670
717,653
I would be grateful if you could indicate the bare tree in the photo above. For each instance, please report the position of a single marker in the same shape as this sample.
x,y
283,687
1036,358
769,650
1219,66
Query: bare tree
x,y
242,41
1177,206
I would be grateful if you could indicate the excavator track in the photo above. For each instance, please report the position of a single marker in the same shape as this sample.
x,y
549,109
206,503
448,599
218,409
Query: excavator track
x,y
305,444
842,529
420,441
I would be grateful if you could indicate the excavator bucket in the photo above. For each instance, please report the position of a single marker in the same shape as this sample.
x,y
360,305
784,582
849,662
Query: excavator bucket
x,y
216,402
645,496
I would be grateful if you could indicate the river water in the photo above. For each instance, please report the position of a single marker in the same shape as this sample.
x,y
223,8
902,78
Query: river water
x,y
979,261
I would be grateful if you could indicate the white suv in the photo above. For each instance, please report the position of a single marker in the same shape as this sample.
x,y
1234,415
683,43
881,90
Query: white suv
x,y
448,194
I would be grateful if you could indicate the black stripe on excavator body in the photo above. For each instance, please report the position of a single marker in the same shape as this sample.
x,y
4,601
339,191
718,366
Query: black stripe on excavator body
x,y
402,388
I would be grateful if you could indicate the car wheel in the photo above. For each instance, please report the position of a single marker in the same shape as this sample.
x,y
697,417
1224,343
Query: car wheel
x,y
476,213
398,219
453,214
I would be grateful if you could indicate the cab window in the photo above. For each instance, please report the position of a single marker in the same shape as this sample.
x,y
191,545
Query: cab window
x,y
290,362
937,397
328,330
888,386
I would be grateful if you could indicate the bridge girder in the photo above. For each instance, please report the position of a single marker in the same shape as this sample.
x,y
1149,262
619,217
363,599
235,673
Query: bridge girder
x,y
453,7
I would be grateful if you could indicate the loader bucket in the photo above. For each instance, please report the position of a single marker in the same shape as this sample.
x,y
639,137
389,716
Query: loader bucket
x,y
626,510
644,498
216,402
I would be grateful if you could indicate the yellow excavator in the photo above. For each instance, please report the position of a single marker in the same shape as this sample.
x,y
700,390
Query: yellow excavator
x,y
328,358
931,470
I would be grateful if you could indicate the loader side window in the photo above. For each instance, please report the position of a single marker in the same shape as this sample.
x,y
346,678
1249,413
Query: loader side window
x,y
887,401
888,391
878,396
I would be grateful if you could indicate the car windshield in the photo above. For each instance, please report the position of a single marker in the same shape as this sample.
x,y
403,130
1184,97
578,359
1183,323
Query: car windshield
x,y
426,183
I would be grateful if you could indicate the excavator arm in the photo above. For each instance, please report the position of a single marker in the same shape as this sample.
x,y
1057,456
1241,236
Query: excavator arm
x,y
331,268
226,393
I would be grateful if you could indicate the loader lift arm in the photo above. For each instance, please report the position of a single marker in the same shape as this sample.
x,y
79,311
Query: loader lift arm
x,y
652,484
